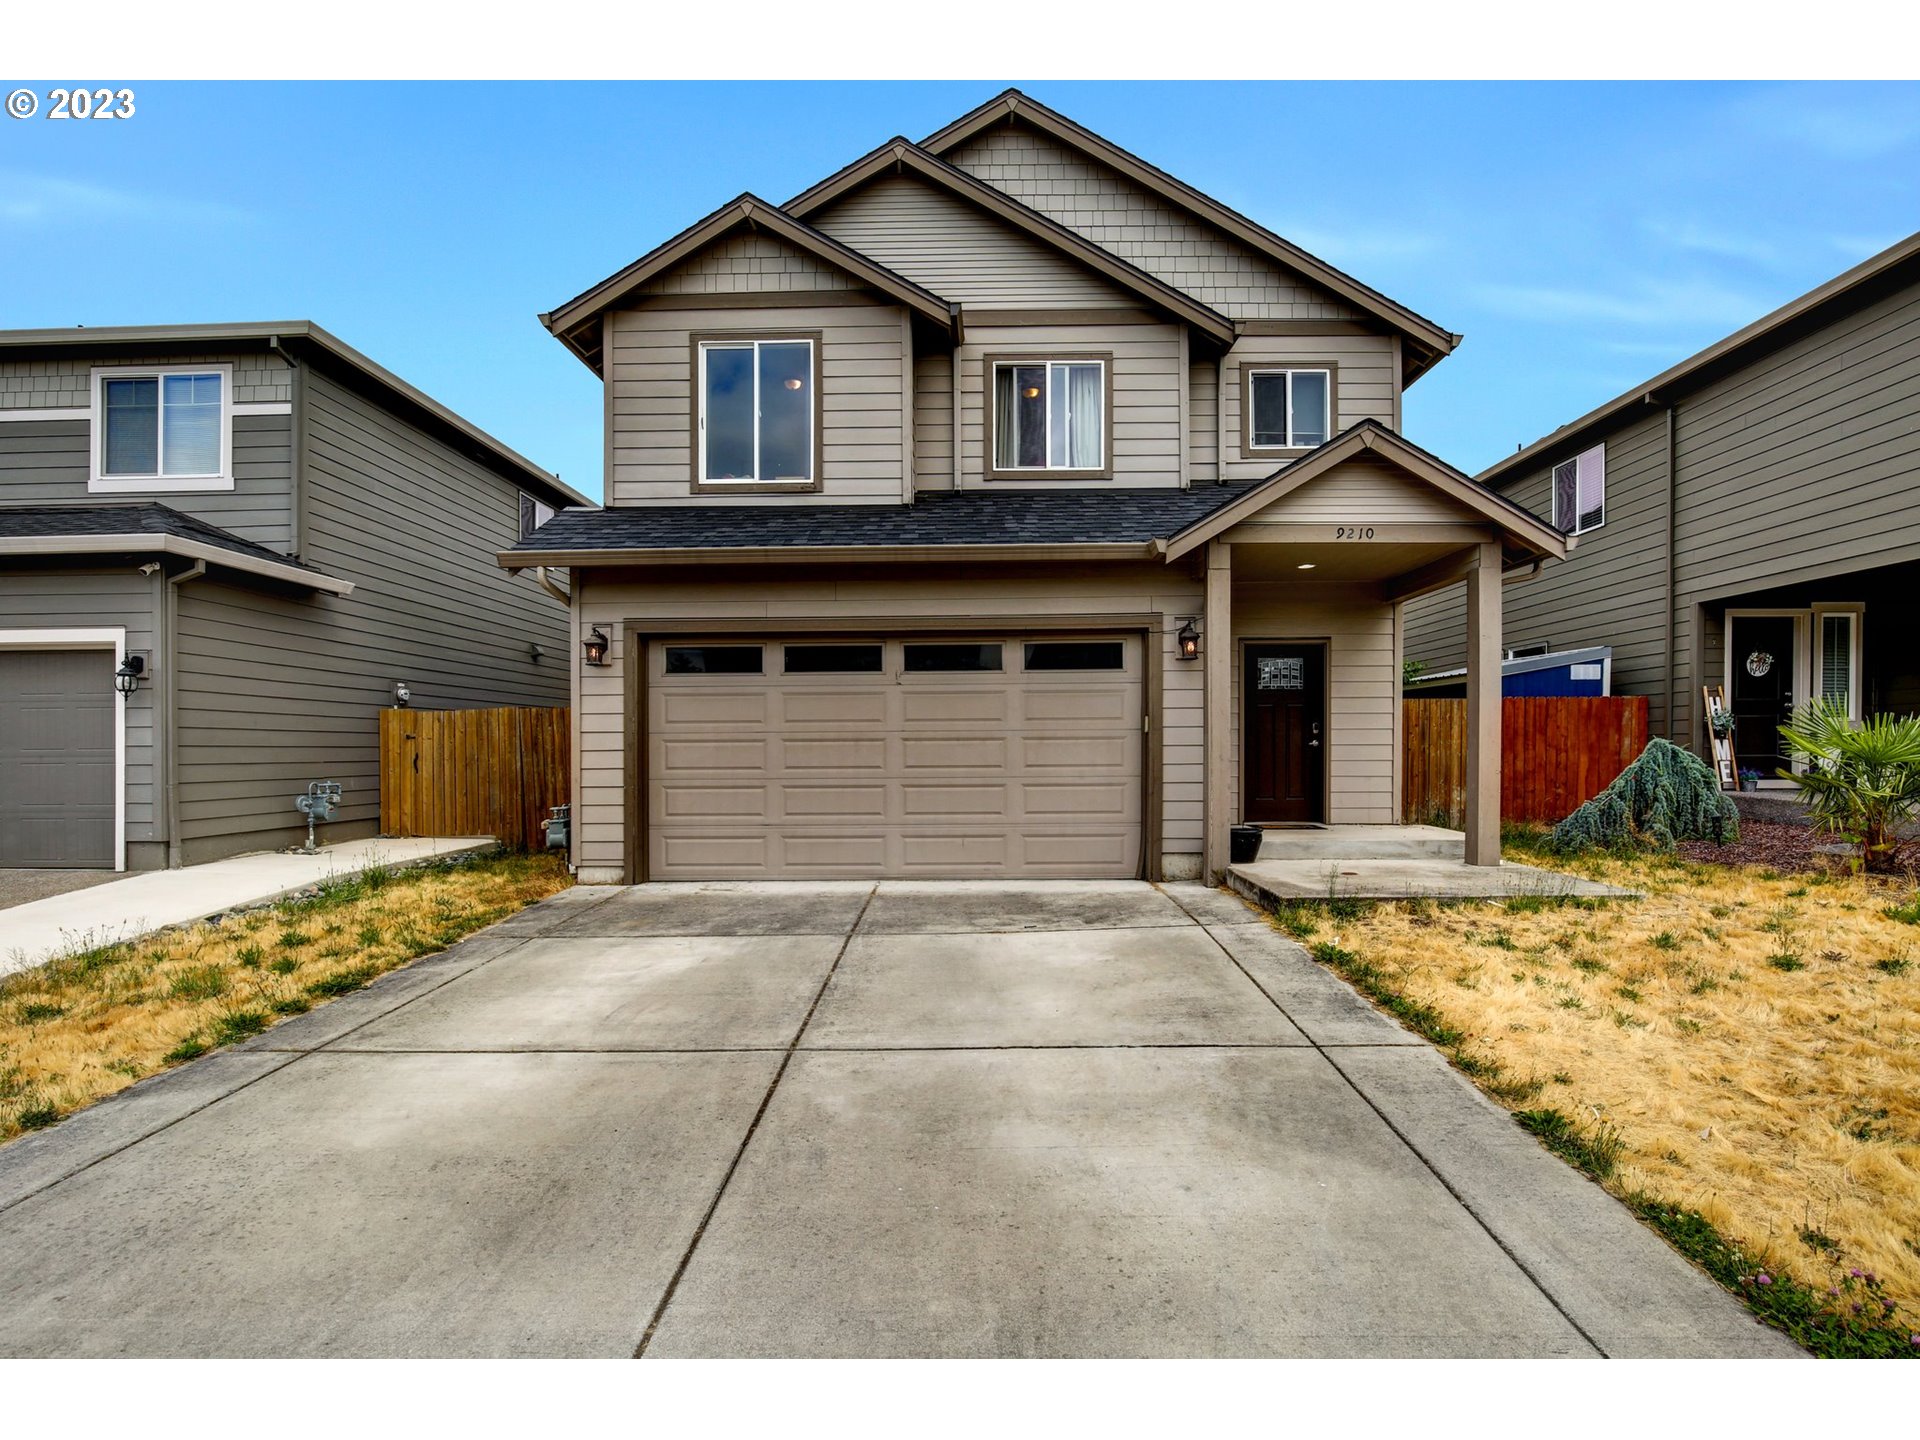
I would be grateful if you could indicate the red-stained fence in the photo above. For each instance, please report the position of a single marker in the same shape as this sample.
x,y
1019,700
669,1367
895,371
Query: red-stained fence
x,y
1557,752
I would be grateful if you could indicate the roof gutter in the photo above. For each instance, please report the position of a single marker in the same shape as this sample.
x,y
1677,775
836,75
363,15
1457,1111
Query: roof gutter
x,y
141,543
518,560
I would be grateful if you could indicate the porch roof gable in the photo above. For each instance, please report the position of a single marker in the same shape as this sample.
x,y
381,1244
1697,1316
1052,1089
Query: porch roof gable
x,y
1518,526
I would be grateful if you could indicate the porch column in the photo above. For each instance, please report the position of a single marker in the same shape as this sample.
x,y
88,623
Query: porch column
x,y
1217,650
1483,706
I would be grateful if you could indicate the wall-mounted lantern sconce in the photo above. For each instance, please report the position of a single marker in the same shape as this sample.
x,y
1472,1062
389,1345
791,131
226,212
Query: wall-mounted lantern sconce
x,y
402,694
127,678
595,646
1188,639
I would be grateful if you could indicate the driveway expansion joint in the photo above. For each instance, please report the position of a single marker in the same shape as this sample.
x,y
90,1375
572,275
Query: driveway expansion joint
x,y
1461,1200
753,1126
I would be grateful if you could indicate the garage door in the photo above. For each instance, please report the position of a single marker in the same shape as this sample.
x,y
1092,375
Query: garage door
x,y
997,755
56,758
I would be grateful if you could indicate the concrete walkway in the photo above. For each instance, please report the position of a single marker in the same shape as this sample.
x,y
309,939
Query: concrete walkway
x,y
810,1120
1389,862
147,900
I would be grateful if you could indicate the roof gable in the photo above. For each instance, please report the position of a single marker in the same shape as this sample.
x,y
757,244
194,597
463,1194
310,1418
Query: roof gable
x,y
899,156
963,142
1352,465
577,323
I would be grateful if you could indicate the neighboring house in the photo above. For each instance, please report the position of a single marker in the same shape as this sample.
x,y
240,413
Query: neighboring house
x,y
259,533
1749,519
1001,506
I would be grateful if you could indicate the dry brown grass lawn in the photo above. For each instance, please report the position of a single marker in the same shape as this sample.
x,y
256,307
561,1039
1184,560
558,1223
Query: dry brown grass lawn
x,y
1755,1042
77,1029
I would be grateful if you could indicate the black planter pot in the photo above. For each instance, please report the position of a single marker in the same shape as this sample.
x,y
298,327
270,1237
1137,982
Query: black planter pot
x,y
1243,844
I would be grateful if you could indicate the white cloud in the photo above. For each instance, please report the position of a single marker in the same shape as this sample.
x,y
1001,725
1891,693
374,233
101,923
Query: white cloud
x,y
1691,235
1857,122
27,199
1663,303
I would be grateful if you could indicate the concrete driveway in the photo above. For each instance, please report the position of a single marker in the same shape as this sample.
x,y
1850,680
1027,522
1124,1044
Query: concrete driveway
x,y
904,1119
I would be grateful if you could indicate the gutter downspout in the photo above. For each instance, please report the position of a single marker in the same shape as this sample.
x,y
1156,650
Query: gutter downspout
x,y
540,574
174,582
297,446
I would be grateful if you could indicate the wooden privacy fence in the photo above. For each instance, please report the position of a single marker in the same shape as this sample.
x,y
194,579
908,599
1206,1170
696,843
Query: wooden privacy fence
x,y
1557,752
473,772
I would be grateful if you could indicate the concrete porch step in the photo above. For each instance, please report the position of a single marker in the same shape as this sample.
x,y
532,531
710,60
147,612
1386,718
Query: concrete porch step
x,y
1363,842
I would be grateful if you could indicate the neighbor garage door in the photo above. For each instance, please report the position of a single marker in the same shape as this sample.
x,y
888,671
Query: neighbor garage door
x,y
56,758
992,755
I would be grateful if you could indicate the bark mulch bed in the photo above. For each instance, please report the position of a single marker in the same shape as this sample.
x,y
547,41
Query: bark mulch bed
x,y
1782,846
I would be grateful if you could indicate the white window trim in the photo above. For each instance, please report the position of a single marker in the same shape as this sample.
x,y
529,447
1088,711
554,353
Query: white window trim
x,y
1599,452
1855,612
100,483
104,637
753,343
1291,443
1046,397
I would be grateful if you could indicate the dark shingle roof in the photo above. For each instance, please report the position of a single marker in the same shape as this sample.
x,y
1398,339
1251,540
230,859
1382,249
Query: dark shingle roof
x,y
970,517
60,522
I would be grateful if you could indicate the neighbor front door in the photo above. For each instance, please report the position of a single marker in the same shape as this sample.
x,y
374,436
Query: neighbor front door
x,y
1283,745
1760,689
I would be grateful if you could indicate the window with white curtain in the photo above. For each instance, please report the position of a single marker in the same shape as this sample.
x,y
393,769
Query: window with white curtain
x,y
1289,409
161,428
1050,415
1580,492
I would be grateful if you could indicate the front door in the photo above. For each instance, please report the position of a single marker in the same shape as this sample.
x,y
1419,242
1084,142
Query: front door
x,y
1760,689
1283,755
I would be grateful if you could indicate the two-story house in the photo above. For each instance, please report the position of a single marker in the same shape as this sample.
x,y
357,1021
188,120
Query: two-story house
x,y
1748,519
1002,506
223,550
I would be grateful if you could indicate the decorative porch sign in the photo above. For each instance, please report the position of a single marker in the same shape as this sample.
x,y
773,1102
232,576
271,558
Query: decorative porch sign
x,y
1720,733
1282,672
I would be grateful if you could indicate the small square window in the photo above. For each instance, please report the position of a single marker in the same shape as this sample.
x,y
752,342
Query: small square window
x,y
944,658
1288,409
1050,415
533,514
757,403
713,660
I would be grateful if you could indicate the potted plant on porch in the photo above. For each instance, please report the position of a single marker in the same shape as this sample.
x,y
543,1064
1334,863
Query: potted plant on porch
x,y
1749,779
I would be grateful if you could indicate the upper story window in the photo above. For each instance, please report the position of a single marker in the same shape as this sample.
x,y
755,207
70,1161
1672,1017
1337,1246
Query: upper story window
x,y
1286,409
1580,492
533,514
1050,418
164,427
759,420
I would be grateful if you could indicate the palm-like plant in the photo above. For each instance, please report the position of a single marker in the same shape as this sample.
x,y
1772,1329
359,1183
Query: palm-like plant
x,y
1861,781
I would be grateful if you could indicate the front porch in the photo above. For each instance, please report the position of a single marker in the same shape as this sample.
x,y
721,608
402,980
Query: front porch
x,y
1388,862
1304,582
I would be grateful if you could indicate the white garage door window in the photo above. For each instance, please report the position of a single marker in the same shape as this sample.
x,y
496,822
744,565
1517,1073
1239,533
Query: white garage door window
x,y
932,756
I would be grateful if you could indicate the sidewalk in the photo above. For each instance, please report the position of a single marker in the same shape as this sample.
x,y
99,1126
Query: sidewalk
x,y
147,901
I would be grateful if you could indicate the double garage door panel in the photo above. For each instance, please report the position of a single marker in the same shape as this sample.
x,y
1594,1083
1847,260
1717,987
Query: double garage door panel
x,y
56,759
896,774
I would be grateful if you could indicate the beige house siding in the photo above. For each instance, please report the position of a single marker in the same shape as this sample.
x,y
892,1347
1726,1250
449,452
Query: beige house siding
x,y
1131,222
958,251
1368,492
650,398
1203,422
750,264
933,421
1148,426
1362,688
610,599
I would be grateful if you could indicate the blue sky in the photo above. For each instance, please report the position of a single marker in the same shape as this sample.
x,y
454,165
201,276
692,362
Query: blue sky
x,y
1582,237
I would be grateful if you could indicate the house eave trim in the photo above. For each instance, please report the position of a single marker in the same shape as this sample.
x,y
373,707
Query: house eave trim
x,y
816,554
140,543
